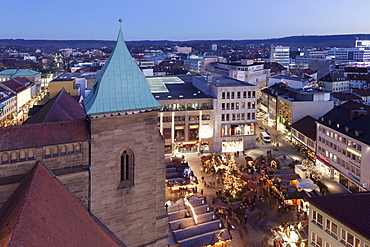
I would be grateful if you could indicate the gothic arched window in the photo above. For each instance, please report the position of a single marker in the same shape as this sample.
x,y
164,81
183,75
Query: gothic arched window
x,y
127,168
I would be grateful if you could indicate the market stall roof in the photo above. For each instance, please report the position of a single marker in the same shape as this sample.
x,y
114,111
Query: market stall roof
x,y
187,231
248,158
306,184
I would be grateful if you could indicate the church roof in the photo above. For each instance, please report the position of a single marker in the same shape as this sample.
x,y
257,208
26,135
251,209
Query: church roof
x,y
42,212
43,134
120,85
61,108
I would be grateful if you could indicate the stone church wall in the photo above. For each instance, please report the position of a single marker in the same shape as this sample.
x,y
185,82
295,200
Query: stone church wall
x,y
135,214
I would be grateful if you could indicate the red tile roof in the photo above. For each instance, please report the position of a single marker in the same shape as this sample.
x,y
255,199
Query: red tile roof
x,y
61,108
42,212
345,96
14,85
44,134
362,92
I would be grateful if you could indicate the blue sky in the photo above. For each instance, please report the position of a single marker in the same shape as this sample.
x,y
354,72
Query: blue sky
x,y
181,20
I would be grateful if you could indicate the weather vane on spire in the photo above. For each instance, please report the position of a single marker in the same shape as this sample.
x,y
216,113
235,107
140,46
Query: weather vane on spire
x,y
120,20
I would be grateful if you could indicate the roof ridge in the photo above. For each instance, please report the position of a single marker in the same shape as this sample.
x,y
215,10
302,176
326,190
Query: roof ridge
x,y
37,124
30,176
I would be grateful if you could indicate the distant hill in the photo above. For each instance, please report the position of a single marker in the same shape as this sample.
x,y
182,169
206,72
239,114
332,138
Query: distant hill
x,y
347,40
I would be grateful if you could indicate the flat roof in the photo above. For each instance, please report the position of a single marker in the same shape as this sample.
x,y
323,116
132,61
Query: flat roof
x,y
174,87
223,81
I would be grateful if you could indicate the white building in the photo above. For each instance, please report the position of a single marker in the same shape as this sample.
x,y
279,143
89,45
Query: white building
x,y
291,81
363,44
280,54
234,105
334,83
343,146
193,65
345,55
247,71
198,64
183,49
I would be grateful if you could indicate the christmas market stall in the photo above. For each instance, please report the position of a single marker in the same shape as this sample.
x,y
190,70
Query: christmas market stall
x,y
180,177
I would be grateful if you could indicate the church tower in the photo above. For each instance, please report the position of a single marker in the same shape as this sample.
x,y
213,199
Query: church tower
x,y
127,153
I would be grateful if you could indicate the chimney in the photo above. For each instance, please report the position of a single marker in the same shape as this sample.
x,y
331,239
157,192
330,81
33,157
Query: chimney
x,y
357,113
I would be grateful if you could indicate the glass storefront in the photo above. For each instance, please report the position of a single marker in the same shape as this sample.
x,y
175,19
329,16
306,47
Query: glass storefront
x,y
232,146
327,170
237,129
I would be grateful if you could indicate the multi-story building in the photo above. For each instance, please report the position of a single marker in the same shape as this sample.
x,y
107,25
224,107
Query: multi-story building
x,y
287,105
64,81
26,95
343,146
334,83
187,117
183,49
280,54
8,105
304,135
291,81
269,102
365,44
247,71
346,55
234,104
210,113
339,220
193,65
298,103
198,64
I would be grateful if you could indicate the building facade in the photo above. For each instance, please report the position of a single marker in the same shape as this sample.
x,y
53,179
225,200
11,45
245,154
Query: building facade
x,y
343,146
339,220
234,104
280,54
247,71
334,83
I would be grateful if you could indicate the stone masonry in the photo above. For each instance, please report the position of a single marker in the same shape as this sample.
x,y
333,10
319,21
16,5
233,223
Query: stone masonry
x,y
135,214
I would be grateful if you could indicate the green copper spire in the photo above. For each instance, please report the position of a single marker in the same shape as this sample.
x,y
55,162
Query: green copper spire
x,y
120,85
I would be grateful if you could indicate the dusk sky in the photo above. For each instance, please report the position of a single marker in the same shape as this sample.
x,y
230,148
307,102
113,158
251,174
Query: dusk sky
x,y
181,20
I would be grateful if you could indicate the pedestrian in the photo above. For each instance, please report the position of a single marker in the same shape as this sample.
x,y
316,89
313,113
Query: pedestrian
x,y
166,205
201,192
195,189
